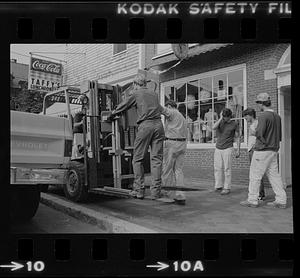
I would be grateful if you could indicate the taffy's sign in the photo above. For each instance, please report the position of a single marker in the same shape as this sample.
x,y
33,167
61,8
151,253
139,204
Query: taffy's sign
x,y
44,75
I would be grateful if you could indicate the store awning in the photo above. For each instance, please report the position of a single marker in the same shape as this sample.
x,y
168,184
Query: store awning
x,y
193,51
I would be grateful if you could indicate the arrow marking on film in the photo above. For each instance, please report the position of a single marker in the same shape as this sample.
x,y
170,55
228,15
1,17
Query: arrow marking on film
x,y
159,266
14,266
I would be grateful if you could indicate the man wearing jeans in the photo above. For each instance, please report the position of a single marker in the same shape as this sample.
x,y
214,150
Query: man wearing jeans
x,y
264,160
250,116
227,130
150,133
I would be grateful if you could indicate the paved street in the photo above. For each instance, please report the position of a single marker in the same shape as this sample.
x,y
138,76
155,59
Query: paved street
x,y
204,212
48,220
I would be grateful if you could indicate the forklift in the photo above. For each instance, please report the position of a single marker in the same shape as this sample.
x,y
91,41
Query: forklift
x,y
104,163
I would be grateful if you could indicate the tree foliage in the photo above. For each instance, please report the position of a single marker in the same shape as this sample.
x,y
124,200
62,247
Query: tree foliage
x,y
22,99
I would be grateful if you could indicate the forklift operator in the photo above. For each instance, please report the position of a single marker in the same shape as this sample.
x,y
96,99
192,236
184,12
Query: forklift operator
x,y
150,133
77,150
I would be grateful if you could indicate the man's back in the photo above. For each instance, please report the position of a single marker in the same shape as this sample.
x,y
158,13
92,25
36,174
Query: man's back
x,y
268,132
147,103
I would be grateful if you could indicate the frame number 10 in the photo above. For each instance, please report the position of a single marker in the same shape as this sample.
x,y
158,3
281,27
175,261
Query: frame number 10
x,y
35,266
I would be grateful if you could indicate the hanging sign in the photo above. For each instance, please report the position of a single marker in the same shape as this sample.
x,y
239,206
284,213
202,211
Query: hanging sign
x,y
44,76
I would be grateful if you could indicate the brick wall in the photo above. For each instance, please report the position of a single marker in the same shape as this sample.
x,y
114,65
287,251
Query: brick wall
x,y
258,58
199,164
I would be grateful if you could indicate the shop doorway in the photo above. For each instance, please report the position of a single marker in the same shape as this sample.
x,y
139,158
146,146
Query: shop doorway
x,y
286,153
283,72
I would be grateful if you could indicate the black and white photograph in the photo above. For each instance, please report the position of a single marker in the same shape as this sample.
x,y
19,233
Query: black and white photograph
x,y
151,138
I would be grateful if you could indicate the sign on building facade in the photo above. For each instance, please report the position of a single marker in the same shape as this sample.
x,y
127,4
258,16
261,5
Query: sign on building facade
x,y
44,75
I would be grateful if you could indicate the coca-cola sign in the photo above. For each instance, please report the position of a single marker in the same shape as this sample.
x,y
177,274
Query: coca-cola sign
x,y
46,66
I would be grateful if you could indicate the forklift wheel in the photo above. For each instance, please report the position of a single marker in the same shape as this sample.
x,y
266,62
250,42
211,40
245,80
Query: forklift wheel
x,y
74,187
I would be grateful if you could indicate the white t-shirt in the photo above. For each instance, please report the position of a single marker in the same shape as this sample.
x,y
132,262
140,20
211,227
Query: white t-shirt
x,y
175,124
252,138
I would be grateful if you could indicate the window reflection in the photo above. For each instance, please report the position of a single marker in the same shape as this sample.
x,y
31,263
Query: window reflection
x,y
201,102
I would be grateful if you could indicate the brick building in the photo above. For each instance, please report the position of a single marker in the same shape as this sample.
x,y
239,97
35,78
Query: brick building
x,y
207,81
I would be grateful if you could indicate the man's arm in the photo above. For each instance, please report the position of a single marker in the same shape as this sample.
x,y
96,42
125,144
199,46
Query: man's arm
x,y
217,123
238,140
78,124
125,105
237,133
261,128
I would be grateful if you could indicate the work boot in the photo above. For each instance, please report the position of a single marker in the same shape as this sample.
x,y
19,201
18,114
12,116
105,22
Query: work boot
x,y
155,196
225,191
179,198
179,201
261,197
276,205
155,193
248,204
218,190
164,193
139,194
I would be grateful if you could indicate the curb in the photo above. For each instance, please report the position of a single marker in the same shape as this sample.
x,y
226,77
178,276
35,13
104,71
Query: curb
x,y
109,224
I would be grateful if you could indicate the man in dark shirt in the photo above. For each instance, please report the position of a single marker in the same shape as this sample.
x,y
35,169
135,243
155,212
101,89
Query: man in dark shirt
x,y
264,159
77,149
226,130
78,122
150,133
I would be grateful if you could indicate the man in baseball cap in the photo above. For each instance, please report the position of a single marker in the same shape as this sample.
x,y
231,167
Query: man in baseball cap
x,y
140,80
263,97
264,159
150,133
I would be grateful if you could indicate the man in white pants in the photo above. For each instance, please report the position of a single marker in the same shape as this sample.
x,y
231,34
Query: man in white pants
x,y
227,130
176,132
264,159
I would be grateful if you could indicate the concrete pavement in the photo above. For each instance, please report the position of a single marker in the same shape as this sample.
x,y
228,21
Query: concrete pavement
x,y
205,212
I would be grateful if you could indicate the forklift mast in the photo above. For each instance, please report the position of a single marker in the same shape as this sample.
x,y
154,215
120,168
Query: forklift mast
x,y
102,98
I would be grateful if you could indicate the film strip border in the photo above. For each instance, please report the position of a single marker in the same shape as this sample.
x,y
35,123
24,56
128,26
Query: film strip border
x,y
135,254
106,22
130,254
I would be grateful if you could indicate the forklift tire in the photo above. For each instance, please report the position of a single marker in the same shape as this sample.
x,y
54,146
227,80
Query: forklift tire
x,y
24,202
74,187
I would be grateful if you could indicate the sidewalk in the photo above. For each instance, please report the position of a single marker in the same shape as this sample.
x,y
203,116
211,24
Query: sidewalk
x,y
205,211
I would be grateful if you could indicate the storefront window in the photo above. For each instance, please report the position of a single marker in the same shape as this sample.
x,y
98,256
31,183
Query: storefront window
x,y
201,101
180,92
169,93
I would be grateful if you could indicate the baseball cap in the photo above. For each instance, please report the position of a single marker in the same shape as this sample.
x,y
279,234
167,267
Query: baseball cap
x,y
262,97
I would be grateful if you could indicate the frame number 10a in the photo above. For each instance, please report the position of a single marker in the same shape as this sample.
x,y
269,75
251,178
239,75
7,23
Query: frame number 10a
x,y
179,266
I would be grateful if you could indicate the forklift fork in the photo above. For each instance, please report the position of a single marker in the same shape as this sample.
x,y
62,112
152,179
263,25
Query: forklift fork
x,y
116,153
